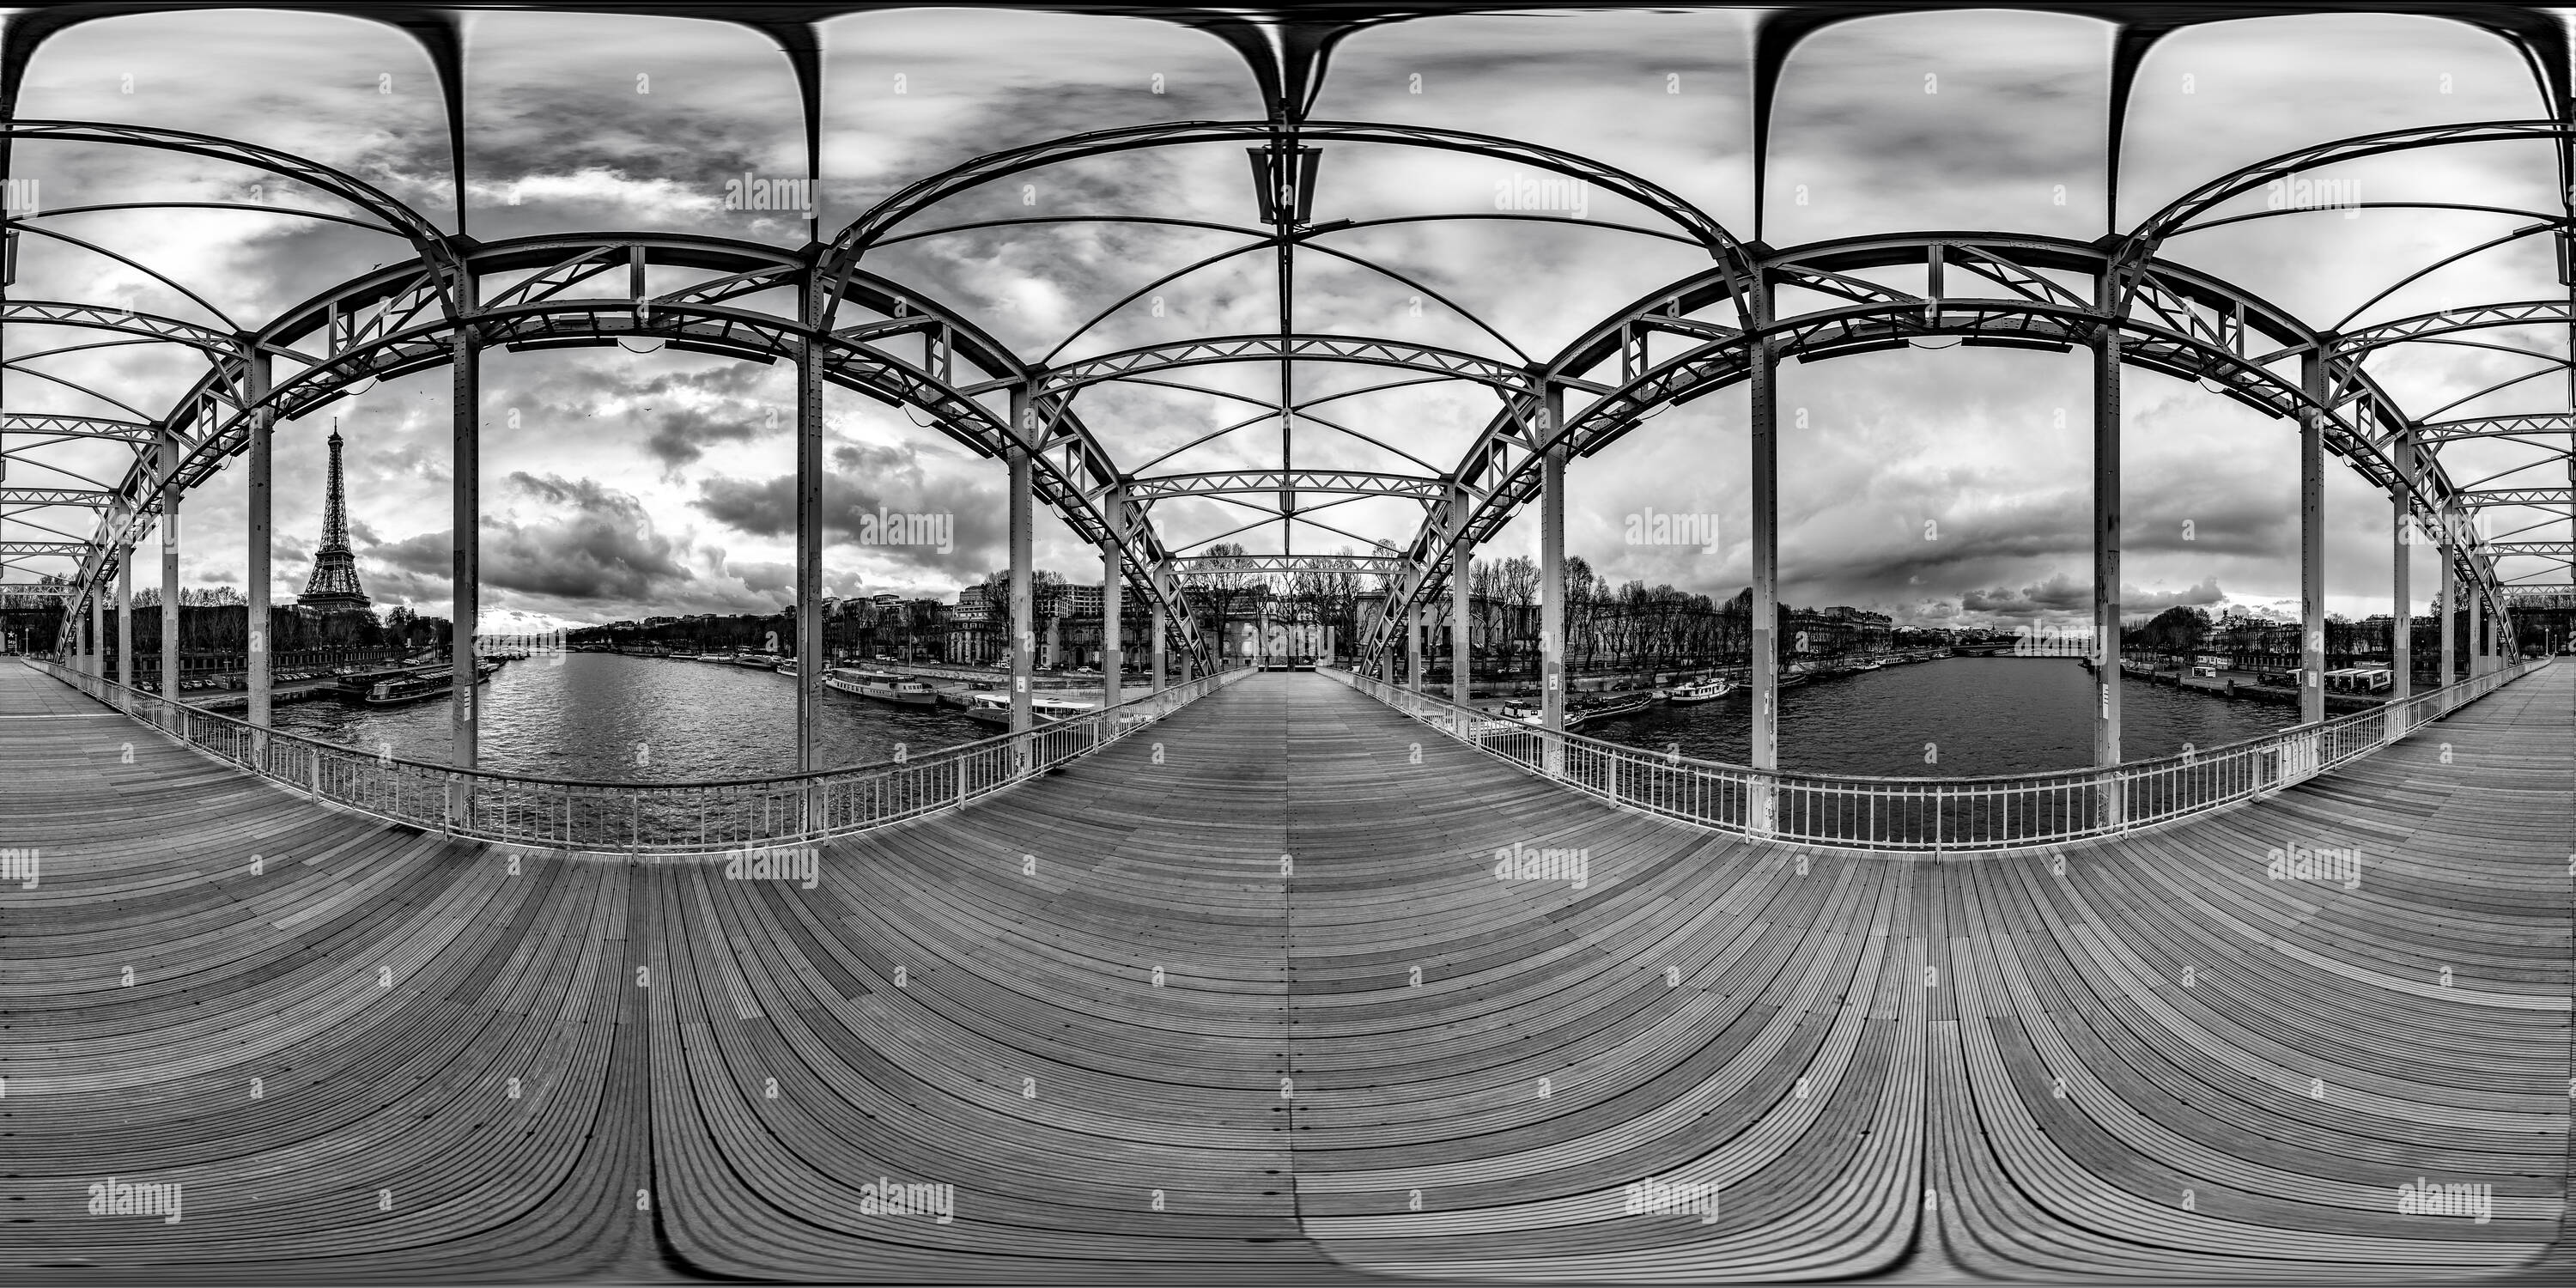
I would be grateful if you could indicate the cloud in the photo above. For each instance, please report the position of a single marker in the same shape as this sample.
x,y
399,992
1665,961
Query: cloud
x,y
863,480
594,545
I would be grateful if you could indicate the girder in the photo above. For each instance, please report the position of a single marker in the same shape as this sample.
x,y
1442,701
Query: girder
x,y
428,242
380,325
99,317
2147,239
89,497
1065,380
1213,565
854,241
2500,549
2447,321
40,423
25,548
2547,424
1349,482
2176,320
2516,496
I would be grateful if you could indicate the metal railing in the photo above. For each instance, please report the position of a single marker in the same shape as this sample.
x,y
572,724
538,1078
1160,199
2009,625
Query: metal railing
x,y
642,818
1992,812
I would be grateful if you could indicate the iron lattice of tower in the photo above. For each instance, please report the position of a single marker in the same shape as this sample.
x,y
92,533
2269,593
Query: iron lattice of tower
x,y
334,587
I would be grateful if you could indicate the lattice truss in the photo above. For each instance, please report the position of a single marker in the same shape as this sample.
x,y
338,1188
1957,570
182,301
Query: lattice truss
x,y
1317,464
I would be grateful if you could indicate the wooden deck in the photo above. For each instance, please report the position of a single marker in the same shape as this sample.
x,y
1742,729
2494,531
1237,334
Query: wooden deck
x,y
1986,1067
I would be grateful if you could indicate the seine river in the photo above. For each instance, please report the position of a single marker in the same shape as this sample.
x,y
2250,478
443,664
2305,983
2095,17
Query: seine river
x,y
1979,715
605,717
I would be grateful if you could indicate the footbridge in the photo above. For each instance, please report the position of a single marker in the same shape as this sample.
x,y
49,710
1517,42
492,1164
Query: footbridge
x,y
1286,981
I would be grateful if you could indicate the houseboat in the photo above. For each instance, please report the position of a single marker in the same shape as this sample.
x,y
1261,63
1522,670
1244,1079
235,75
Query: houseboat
x,y
995,708
1698,691
885,687
416,684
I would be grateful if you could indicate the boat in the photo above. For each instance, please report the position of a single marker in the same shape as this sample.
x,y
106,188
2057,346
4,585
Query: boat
x,y
995,708
886,687
1529,713
763,661
789,669
1698,691
1625,704
418,684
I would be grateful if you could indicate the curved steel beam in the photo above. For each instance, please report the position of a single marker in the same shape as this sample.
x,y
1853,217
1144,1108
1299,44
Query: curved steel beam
x,y
2185,324
853,241
1451,363
398,219
382,325
2544,424
2448,321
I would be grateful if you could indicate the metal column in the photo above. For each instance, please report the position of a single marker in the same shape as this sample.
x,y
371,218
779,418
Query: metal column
x,y
2312,540
259,501
1762,665
809,534
169,564
465,457
2477,624
2450,605
1162,623
1023,601
2401,643
125,615
97,657
2106,545
1551,573
1414,626
1461,640
1113,577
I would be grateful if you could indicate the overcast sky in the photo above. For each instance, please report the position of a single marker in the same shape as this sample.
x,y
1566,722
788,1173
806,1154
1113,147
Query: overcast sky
x,y
1945,486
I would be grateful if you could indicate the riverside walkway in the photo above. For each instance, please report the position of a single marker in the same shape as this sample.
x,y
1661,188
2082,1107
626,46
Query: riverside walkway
x,y
1246,989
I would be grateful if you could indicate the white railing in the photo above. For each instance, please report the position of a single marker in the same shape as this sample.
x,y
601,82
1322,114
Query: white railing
x,y
1995,812
642,818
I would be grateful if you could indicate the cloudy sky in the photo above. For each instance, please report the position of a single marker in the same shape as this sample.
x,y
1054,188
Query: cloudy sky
x,y
1940,485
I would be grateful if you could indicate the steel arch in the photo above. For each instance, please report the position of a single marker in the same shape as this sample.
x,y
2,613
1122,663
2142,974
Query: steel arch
x,y
2185,323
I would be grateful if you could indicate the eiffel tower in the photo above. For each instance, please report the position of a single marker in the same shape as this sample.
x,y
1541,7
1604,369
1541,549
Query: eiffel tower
x,y
334,587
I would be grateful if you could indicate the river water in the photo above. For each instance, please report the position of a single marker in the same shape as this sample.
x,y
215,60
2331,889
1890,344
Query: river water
x,y
1950,717
606,717
612,718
